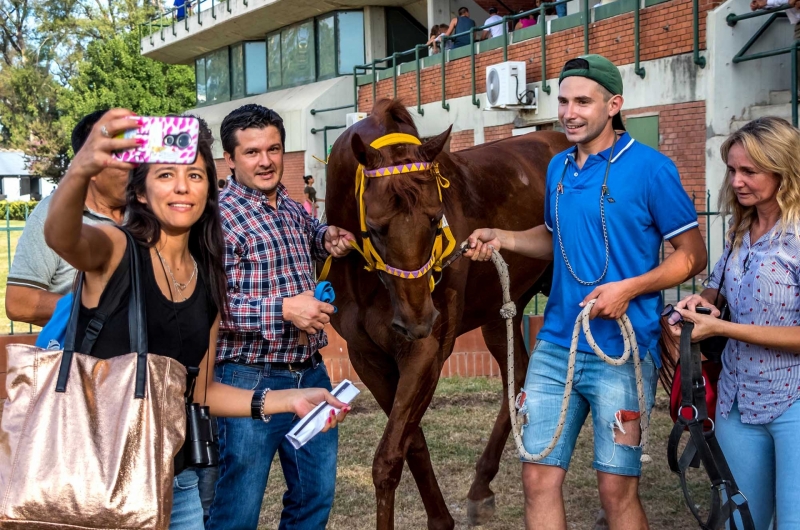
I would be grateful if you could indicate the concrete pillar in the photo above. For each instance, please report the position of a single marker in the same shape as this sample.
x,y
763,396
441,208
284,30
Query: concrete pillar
x,y
374,33
439,12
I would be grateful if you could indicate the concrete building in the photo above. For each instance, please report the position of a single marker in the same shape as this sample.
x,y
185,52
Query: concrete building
x,y
689,80
17,183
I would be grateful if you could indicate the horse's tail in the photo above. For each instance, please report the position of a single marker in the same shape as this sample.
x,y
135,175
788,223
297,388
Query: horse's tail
x,y
669,350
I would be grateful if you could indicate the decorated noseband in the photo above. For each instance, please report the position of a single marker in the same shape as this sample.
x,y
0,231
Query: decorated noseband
x,y
373,259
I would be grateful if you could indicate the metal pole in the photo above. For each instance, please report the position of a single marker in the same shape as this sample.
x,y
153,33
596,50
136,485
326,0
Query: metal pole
x,y
420,110
445,105
355,88
637,68
545,86
374,83
586,14
394,74
699,61
475,100
794,84
505,38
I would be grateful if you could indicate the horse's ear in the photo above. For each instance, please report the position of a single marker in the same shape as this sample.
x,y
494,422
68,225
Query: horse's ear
x,y
431,149
366,155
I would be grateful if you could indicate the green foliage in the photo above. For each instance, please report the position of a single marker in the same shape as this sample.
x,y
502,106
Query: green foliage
x,y
62,59
115,74
16,210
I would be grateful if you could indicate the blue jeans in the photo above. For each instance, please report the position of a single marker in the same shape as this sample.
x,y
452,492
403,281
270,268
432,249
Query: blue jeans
x,y
561,10
597,386
765,462
187,512
248,446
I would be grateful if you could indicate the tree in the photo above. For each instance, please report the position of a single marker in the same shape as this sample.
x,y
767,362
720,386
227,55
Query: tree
x,y
115,74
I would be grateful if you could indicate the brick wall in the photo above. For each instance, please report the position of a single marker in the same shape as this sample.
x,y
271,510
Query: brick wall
x,y
461,140
498,132
666,30
293,171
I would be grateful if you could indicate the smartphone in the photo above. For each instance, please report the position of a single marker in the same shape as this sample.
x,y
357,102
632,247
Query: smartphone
x,y
702,310
169,140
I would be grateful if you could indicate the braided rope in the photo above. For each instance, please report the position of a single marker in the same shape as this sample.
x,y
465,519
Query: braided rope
x,y
509,310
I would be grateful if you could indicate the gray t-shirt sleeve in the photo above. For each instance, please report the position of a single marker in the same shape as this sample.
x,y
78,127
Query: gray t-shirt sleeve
x,y
35,264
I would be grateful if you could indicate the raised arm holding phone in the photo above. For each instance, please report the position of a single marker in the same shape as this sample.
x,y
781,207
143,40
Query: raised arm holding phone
x,y
173,216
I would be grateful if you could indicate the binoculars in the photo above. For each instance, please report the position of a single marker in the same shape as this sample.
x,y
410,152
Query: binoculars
x,y
200,448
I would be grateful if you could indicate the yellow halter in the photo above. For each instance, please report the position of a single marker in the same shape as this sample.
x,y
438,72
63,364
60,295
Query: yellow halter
x,y
374,261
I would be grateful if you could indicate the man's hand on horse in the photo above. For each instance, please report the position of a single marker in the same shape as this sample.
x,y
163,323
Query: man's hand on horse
x,y
612,300
306,312
481,243
337,241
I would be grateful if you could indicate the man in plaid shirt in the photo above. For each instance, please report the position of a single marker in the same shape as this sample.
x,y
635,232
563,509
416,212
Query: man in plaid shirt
x,y
272,336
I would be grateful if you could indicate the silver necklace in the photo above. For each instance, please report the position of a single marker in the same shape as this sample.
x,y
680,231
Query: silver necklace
x,y
179,287
603,193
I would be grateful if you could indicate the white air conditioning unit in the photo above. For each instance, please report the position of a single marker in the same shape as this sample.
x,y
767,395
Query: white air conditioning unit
x,y
505,86
353,117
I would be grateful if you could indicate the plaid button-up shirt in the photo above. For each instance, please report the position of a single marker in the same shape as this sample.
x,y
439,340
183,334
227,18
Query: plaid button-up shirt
x,y
268,257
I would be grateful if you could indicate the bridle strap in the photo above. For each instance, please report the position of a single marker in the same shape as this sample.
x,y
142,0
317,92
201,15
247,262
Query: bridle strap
x,y
367,250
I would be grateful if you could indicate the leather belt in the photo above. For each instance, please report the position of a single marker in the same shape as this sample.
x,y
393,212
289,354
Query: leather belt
x,y
311,362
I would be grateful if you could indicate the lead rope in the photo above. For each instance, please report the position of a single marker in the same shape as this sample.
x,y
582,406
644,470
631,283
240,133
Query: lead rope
x,y
509,310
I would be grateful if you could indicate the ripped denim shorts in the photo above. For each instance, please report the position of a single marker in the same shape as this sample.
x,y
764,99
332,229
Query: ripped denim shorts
x,y
608,391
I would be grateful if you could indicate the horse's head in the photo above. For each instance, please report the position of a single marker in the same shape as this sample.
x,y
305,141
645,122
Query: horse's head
x,y
402,211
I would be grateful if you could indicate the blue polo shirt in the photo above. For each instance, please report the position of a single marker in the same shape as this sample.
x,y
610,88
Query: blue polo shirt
x,y
649,205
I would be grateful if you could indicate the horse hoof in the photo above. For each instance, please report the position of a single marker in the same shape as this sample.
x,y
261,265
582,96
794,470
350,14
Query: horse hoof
x,y
480,512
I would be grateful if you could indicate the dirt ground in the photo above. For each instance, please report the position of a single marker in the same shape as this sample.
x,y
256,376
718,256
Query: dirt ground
x,y
457,426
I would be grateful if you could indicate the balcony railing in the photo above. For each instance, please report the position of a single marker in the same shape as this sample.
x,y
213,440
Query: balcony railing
x,y
169,19
539,30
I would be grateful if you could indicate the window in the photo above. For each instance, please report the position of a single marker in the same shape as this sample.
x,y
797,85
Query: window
x,y
351,40
298,63
218,82
403,32
643,129
326,47
255,67
200,76
237,71
274,60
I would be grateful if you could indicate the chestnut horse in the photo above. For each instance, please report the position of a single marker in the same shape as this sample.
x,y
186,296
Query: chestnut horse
x,y
399,333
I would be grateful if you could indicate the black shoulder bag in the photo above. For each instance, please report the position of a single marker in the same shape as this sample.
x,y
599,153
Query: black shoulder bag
x,y
712,347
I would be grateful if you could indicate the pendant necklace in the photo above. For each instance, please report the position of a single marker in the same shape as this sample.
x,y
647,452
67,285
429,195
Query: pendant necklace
x,y
603,193
179,287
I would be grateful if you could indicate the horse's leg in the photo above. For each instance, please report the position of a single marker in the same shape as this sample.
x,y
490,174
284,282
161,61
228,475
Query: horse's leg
x,y
379,372
480,499
419,374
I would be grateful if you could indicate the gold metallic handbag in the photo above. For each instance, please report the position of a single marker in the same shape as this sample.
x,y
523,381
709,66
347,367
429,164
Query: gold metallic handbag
x,y
87,442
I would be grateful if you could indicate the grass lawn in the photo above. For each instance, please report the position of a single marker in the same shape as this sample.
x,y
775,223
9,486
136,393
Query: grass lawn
x,y
8,245
457,426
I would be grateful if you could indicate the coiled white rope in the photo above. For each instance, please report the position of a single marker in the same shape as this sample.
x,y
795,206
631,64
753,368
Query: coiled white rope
x,y
509,310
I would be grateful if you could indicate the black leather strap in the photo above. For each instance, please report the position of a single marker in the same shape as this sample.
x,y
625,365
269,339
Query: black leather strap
x,y
137,323
702,446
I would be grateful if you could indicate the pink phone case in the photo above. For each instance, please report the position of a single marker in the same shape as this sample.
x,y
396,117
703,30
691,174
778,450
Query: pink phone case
x,y
170,140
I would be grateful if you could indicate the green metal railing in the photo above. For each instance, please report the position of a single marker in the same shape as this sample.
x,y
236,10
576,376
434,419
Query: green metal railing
x,y
319,111
10,228
168,18
373,67
741,57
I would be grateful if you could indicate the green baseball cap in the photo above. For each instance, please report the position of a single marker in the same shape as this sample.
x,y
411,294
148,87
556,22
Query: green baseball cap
x,y
598,69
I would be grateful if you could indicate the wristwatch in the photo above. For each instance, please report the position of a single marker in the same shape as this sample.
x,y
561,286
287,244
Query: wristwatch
x,y
257,406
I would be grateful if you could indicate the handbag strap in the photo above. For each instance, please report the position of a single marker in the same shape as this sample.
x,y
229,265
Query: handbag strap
x,y
137,323
721,287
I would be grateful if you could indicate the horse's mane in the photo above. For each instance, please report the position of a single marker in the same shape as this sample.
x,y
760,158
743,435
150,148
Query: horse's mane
x,y
389,112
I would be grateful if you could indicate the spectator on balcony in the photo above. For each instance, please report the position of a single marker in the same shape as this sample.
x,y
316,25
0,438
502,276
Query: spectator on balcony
x,y
462,24
184,8
434,43
792,14
39,277
494,31
525,22
561,10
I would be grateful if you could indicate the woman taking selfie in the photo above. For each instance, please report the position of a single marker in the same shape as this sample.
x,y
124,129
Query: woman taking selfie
x,y
173,215
756,423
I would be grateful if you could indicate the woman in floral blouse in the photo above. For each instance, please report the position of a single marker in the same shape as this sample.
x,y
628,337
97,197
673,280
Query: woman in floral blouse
x,y
758,425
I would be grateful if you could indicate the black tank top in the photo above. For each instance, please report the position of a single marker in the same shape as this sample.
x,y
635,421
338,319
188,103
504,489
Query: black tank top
x,y
178,330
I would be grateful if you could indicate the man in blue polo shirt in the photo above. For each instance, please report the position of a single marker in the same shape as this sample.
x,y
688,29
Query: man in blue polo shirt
x,y
609,203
